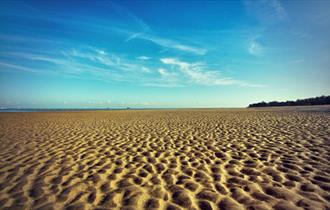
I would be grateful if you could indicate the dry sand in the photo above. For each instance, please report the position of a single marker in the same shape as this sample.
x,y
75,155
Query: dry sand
x,y
175,159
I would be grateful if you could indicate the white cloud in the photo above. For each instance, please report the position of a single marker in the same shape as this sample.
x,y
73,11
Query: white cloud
x,y
162,72
186,48
255,48
24,39
168,78
123,11
143,57
169,43
34,57
17,67
163,42
163,85
146,69
101,52
266,11
133,36
100,65
278,9
112,61
143,31
196,73
174,61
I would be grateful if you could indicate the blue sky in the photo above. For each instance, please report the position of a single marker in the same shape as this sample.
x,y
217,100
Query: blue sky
x,y
98,54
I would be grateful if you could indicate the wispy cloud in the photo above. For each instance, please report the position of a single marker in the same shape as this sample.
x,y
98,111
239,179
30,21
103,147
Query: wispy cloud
x,y
163,72
169,43
132,28
144,31
133,36
199,51
169,78
122,11
278,9
166,43
196,73
32,56
24,39
266,11
93,65
143,57
6,66
255,48
146,69
97,64
106,65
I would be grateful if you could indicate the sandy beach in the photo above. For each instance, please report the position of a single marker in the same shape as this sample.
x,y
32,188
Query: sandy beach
x,y
227,159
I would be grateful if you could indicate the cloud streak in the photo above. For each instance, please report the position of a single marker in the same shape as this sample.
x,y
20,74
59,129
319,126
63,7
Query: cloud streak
x,y
168,43
266,11
143,58
145,32
100,65
196,73
255,48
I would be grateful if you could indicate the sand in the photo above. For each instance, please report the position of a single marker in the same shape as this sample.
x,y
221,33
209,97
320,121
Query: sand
x,y
227,159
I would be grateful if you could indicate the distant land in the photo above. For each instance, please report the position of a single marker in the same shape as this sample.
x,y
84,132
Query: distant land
x,y
321,100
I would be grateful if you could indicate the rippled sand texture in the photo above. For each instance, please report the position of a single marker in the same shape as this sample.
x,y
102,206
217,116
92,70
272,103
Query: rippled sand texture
x,y
175,159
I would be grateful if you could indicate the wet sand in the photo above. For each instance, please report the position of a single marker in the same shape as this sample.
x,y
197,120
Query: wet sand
x,y
225,159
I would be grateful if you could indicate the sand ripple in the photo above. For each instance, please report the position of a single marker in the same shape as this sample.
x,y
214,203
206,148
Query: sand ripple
x,y
178,159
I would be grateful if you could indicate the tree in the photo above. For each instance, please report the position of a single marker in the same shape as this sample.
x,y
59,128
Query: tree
x,y
321,100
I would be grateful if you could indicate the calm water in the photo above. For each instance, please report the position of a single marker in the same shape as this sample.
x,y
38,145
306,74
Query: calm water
x,y
63,110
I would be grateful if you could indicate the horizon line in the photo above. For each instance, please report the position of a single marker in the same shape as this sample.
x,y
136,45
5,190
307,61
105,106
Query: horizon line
x,y
117,108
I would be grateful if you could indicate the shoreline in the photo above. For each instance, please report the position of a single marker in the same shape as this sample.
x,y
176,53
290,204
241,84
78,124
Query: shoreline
x,y
299,108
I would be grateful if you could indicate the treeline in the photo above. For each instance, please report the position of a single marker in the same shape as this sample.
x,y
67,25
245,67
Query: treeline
x,y
322,100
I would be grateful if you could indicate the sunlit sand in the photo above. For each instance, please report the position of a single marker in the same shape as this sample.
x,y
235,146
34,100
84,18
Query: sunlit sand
x,y
225,159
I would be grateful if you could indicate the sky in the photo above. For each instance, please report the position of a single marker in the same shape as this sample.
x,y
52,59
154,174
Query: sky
x,y
162,54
